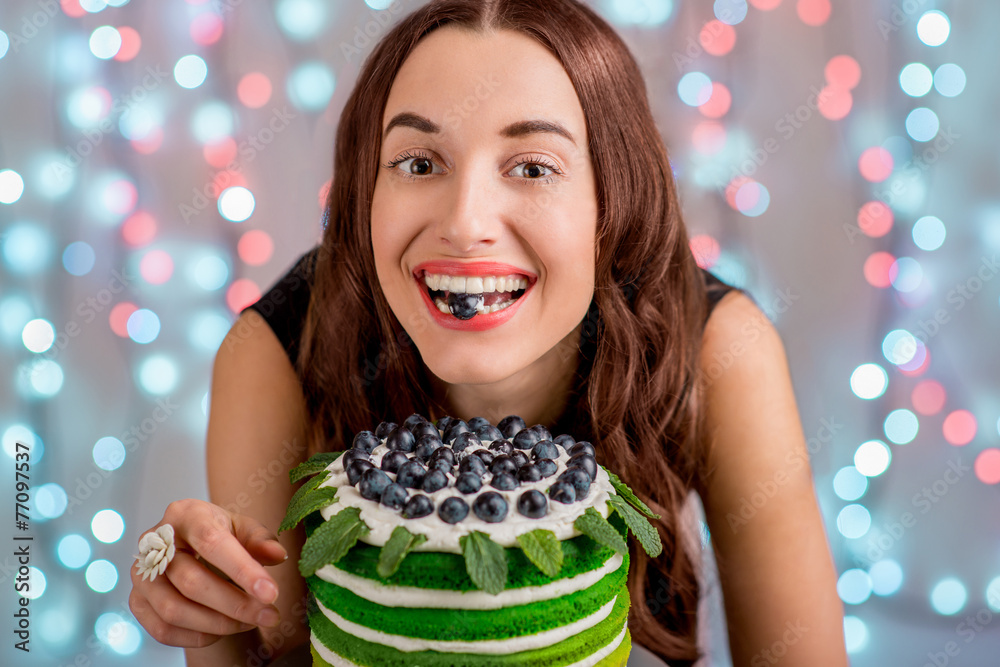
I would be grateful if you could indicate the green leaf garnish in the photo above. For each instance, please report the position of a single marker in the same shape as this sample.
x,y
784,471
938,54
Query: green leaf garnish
x,y
595,526
315,464
331,541
306,502
485,561
622,489
543,549
640,527
400,543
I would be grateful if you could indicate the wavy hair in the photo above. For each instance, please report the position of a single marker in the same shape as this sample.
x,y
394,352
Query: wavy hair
x,y
640,394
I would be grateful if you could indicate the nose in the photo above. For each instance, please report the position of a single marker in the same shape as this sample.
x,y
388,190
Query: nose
x,y
471,221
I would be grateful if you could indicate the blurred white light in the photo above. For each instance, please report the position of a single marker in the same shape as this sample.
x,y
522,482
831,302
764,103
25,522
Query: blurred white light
x,y
38,335
51,500
36,584
40,378
73,551
901,426
190,71
854,521
212,122
916,79
4,43
15,312
108,526
101,576
143,326
906,274
993,594
730,12
899,346
158,375
78,258
849,484
933,28
26,248
886,576
11,186
949,80
636,12
869,381
59,624
922,124
236,204
948,597
855,634
210,273
929,233
694,89
872,458
208,330
854,586
109,453
303,19
311,85
124,638
105,42
18,433
93,6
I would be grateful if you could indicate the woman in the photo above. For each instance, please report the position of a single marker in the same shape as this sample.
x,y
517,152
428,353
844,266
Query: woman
x,y
512,139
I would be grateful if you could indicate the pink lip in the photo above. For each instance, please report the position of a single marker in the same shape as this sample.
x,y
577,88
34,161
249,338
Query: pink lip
x,y
479,322
471,269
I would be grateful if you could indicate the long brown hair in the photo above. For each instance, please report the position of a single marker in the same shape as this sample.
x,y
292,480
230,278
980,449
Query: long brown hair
x,y
641,391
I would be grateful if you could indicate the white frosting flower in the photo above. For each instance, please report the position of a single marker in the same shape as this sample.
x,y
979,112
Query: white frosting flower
x,y
156,549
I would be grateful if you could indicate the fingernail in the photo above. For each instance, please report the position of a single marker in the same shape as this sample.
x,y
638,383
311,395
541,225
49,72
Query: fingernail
x,y
265,591
268,618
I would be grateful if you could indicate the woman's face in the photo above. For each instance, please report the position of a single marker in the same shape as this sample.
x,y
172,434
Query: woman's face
x,y
485,210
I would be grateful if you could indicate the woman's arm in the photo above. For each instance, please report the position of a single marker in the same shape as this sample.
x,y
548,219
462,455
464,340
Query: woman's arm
x,y
256,434
777,574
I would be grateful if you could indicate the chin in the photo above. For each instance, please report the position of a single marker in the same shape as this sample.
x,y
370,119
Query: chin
x,y
454,367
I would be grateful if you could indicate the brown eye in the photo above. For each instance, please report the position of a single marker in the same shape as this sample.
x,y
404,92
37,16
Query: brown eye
x,y
424,168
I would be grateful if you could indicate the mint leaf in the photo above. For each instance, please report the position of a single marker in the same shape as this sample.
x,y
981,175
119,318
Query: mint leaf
x,y
543,549
485,561
331,541
622,489
595,526
311,500
639,525
400,543
316,463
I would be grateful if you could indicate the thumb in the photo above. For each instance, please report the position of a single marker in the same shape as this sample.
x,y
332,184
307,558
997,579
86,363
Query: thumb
x,y
259,542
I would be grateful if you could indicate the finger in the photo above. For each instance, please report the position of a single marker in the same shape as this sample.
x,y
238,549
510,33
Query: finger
x,y
164,632
212,535
195,582
258,540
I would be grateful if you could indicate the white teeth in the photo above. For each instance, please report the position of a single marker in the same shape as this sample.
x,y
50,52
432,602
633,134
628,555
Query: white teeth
x,y
473,285
480,308
489,284
440,282
501,284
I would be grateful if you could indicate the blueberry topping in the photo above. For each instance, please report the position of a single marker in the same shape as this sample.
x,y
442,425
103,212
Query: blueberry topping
x,y
356,469
464,440
372,483
582,446
399,439
525,439
453,510
546,467
354,455
490,507
542,432
510,425
584,461
455,428
533,504
580,480
392,460
417,506
411,474
544,449
439,464
501,446
489,432
394,496
434,480
472,464
365,440
422,429
463,304
504,481
562,492
529,473
477,423
413,420
443,423
426,445
383,429
486,455
443,454
520,458
565,441
503,464
468,482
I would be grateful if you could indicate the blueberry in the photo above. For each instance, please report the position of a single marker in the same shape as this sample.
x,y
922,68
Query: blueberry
x,y
454,429
464,440
585,462
468,482
464,305
486,455
417,506
529,473
472,464
356,469
565,441
422,429
399,439
510,425
365,440
582,446
453,510
383,429
546,467
542,432
580,480
533,504
394,496
426,445
525,439
503,464
354,455
490,507
434,480
412,421
392,460
443,454
489,432
477,423
443,423
544,449
520,458
562,492
372,484
504,481
501,447
411,474
439,464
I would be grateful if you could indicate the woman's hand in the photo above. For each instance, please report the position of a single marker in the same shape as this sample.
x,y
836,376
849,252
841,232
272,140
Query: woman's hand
x,y
192,604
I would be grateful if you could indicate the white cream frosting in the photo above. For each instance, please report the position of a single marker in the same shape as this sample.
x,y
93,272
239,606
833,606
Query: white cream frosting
x,y
411,596
441,536
483,647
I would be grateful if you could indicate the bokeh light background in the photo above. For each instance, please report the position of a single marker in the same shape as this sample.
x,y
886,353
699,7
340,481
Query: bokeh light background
x,y
161,163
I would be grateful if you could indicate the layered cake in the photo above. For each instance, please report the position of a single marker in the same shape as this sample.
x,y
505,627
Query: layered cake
x,y
455,543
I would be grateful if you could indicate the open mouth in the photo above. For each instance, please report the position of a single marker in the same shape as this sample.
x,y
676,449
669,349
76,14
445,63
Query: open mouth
x,y
464,297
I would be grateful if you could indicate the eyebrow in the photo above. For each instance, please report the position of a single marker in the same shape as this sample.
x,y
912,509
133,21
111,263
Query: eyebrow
x,y
520,128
